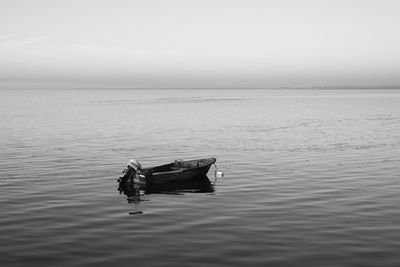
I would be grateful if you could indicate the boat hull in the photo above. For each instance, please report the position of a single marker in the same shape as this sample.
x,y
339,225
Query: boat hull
x,y
178,171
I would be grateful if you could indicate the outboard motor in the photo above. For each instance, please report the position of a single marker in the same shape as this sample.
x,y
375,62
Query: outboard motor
x,y
130,183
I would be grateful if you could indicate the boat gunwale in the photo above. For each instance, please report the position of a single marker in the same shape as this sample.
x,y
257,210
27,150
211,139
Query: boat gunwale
x,y
209,162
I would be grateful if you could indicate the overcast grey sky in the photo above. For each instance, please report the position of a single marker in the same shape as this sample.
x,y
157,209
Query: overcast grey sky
x,y
205,43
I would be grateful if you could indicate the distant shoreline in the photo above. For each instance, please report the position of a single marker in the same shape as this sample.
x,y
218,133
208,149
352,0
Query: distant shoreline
x,y
397,87
375,87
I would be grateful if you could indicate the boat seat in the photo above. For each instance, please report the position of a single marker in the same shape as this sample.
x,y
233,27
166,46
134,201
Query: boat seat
x,y
178,168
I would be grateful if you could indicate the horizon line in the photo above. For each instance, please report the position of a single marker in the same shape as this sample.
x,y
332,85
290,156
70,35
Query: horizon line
x,y
326,87
254,87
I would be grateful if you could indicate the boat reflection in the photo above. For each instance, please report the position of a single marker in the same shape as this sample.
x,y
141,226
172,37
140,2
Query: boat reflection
x,y
199,185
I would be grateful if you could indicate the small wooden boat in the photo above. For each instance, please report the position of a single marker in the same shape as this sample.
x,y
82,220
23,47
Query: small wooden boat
x,y
179,170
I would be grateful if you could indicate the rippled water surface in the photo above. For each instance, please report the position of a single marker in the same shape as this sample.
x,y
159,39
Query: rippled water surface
x,y
311,178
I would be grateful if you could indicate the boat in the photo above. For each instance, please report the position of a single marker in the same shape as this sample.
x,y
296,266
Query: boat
x,y
180,175
177,171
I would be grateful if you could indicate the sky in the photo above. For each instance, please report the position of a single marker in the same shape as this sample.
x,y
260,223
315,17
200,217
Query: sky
x,y
189,44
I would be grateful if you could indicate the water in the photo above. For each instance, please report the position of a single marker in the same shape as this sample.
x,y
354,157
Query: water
x,y
311,177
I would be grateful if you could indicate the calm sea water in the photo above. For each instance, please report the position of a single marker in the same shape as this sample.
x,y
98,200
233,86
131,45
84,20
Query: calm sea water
x,y
311,178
